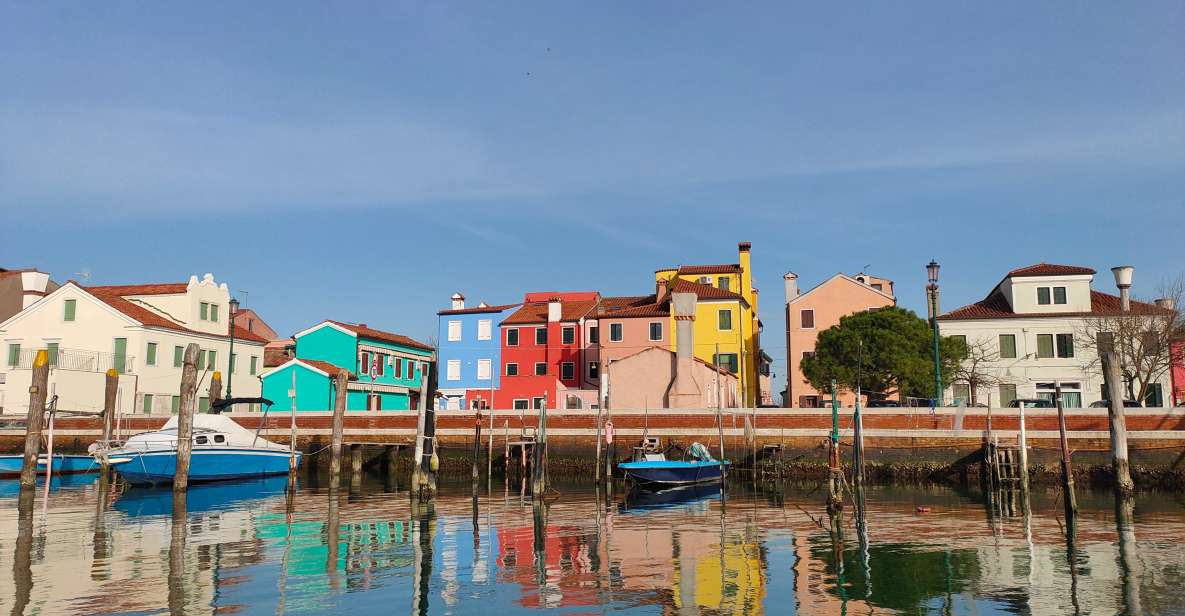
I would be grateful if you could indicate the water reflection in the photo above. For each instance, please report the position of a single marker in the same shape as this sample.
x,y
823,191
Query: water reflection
x,y
261,547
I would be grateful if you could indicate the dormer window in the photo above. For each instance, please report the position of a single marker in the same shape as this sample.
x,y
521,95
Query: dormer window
x,y
1051,295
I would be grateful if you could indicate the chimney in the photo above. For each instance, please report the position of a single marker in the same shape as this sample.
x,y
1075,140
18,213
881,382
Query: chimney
x,y
458,301
33,286
1166,303
362,325
1123,280
791,282
554,310
685,393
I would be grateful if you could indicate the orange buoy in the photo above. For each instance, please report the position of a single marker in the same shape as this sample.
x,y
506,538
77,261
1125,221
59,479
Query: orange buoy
x,y
923,509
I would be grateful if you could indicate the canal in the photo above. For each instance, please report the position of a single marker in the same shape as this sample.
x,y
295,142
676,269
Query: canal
x,y
254,548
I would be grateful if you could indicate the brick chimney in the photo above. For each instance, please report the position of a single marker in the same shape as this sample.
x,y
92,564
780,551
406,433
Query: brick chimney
x,y
554,310
684,392
791,282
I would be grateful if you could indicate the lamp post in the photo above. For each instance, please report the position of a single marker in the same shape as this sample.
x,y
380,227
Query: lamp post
x,y
932,291
230,373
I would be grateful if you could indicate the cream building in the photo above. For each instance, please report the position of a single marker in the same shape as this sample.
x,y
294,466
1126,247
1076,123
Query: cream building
x,y
141,331
1033,328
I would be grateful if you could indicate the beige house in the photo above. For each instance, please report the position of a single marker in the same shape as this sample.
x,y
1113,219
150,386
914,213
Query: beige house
x,y
650,379
815,310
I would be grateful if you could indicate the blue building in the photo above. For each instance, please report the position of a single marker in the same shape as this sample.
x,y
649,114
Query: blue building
x,y
385,369
469,353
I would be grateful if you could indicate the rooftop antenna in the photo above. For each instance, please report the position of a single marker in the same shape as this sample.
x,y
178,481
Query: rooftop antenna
x,y
85,274
246,296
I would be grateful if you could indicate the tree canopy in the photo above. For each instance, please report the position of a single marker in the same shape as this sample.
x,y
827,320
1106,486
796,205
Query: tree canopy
x,y
887,352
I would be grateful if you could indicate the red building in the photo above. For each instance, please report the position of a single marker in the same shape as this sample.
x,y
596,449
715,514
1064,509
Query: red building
x,y
1178,368
543,349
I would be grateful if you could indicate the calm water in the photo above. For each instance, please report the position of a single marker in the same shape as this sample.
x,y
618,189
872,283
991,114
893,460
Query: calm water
x,y
247,548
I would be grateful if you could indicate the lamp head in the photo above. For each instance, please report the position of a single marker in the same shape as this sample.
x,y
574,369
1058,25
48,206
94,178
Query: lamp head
x,y
932,271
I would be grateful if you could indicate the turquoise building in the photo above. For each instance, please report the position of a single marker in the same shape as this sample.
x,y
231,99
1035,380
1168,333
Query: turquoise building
x,y
385,370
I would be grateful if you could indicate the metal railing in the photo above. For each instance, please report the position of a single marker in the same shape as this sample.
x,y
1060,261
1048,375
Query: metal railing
x,y
73,359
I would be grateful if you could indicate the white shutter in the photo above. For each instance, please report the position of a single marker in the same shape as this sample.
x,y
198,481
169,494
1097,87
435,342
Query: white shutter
x,y
454,370
483,329
483,369
454,331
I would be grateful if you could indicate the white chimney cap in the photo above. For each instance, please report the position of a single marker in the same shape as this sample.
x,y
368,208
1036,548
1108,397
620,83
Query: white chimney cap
x,y
1123,275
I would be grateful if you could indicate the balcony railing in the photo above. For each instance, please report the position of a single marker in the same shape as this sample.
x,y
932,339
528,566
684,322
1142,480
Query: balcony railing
x,y
73,359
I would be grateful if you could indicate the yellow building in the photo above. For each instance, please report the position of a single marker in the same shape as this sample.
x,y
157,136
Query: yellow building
x,y
727,330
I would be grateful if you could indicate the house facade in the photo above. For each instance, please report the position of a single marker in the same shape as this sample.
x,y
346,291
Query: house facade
x,y
544,349
1031,334
813,311
469,353
385,369
141,331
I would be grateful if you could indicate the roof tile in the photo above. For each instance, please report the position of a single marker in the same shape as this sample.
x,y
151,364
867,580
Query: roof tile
x,y
995,306
376,334
1050,269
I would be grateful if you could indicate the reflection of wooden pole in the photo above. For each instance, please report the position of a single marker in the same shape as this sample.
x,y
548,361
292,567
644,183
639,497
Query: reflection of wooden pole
x,y
1071,501
38,391
178,530
333,536
185,417
339,418
110,391
22,560
1114,384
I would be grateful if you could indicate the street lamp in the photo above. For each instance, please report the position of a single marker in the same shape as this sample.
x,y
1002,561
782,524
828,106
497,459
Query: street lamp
x,y
932,291
230,373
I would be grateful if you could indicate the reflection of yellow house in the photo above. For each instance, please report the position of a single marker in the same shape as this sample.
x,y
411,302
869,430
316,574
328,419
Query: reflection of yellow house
x,y
731,582
727,329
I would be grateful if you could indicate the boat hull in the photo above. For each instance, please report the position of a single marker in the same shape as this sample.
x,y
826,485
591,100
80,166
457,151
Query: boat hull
x,y
10,465
212,464
671,473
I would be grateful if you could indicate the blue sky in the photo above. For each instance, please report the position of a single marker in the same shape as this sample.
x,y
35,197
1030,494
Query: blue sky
x,y
363,161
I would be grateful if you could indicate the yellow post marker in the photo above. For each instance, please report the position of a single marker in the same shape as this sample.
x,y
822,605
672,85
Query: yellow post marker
x,y
38,391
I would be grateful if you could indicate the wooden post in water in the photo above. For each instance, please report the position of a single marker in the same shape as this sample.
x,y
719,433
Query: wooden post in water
x,y
476,448
339,418
835,480
1114,383
38,391
215,388
110,393
185,418
423,474
292,427
858,444
1023,449
539,479
1071,501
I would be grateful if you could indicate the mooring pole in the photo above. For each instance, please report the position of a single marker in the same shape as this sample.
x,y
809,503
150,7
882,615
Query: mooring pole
x,y
38,392
1114,383
539,480
597,463
424,473
292,426
858,443
215,388
339,419
1023,447
835,476
110,392
185,417
476,449
1071,501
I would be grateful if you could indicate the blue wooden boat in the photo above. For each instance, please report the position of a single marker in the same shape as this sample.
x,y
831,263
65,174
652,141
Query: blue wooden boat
x,y
222,449
63,464
654,469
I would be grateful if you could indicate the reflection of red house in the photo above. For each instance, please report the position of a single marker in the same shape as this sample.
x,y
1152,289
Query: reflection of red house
x,y
542,348
569,579
1178,369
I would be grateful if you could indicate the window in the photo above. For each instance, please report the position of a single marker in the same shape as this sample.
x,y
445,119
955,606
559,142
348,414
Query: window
x,y
201,359
655,331
724,319
175,405
364,362
540,335
147,408
1071,393
723,282
380,364
398,368
150,354
962,393
960,339
878,286
1059,295
178,356
234,363
218,438
615,332
51,349
204,404
14,355
454,331
1044,346
728,361
1043,298
411,369
454,370
484,329
1007,346
214,312
120,359
806,354
1154,397
567,371
254,364
1007,394
512,337
1065,345
594,334
204,311
483,369
522,404
540,368
537,402
511,369
594,370
807,319
200,440
568,335
69,309
213,360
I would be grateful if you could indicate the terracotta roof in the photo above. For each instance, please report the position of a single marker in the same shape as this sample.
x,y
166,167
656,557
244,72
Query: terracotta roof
x,y
274,357
614,304
536,312
728,268
479,309
165,288
1050,269
995,306
113,296
326,367
661,309
704,291
375,334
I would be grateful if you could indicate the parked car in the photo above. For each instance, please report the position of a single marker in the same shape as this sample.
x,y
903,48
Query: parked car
x,y
883,404
1032,403
1127,404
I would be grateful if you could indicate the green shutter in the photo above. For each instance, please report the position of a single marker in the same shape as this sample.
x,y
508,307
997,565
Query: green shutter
x,y
201,359
214,312
1065,345
233,357
175,405
178,356
213,364
147,403
204,312
254,365
1007,394
725,317
14,355
1044,346
1007,346
52,351
120,361
70,310
150,358
203,404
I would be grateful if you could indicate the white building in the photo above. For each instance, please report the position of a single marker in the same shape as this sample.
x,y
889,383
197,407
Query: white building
x,y
139,330
1034,327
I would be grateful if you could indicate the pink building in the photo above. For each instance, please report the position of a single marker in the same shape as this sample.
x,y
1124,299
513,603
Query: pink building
x,y
1178,369
649,379
811,312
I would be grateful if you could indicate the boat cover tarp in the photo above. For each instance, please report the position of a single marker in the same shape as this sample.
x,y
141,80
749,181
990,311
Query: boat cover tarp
x,y
236,435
